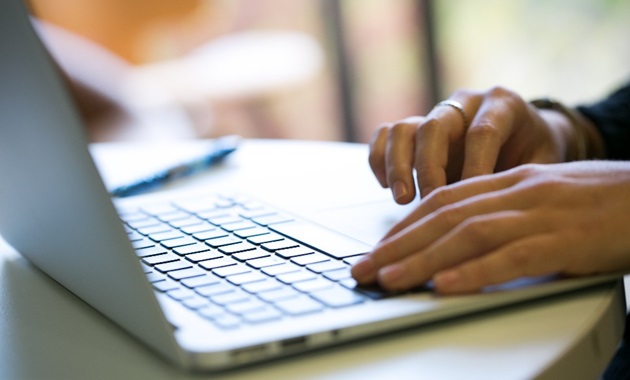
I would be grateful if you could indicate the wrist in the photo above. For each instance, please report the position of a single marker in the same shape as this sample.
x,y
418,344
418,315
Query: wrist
x,y
574,130
582,139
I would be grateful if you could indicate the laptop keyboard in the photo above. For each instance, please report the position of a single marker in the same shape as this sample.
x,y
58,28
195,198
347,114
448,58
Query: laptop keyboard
x,y
237,261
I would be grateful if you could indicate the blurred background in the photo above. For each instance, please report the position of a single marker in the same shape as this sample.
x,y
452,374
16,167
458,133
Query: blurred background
x,y
320,69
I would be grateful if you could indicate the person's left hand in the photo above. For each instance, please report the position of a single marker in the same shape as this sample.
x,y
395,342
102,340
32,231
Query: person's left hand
x,y
531,220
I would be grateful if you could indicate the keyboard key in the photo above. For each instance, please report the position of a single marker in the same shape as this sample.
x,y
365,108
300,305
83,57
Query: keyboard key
x,y
326,266
155,276
217,263
186,273
279,294
150,251
196,302
211,311
207,279
160,259
348,283
265,315
189,221
155,229
210,234
168,235
310,259
299,305
321,238
262,286
193,248
134,236
293,252
337,275
256,212
222,241
238,247
227,321
173,243
250,255
202,256
210,214
231,297
191,230
290,278
281,269
166,285
197,205
142,243
175,265
278,245
225,219
231,270
249,232
131,216
214,289
180,294
147,222
265,238
265,262
244,278
272,219
174,216
243,225
313,285
249,306
353,260
338,297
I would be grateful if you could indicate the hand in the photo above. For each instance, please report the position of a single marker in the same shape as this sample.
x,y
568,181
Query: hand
x,y
533,220
504,131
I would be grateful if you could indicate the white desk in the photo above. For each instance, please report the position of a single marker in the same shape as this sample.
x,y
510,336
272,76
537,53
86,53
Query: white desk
x,y
45,332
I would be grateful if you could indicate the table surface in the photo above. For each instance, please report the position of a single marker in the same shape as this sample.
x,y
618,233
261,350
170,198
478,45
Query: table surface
x,y
46,332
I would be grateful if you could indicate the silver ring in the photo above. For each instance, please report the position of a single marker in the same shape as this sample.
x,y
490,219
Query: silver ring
x,y
456,105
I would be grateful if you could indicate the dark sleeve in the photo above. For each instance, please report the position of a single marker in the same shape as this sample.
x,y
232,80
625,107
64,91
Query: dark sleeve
x,y
612,118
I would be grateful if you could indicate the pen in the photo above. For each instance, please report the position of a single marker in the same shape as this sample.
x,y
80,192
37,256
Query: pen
x,y
221,147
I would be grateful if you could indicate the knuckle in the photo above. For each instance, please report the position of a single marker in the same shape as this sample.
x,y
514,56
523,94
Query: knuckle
x,y
429,127
531,172
477,230
501,92
450,217
441,198
519,258
483,129
401,128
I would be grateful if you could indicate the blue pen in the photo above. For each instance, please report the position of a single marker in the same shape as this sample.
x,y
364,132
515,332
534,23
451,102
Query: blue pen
x,y
220,148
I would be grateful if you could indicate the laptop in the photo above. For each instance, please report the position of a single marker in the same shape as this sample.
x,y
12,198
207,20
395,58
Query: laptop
x,y
224,285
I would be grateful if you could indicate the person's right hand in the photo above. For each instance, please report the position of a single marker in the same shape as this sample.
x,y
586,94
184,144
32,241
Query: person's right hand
x,y
504,131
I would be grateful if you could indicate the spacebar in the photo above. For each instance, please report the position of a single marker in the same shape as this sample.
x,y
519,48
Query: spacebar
x,y
321,238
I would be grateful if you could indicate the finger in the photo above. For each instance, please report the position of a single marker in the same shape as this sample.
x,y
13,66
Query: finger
x,y
438,141
489,130
473,238
452,194
423,232
399,153
376,157
533,256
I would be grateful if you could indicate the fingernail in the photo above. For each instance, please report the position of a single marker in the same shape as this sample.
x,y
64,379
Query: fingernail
x,y
363,269
400,190
390,274
446,279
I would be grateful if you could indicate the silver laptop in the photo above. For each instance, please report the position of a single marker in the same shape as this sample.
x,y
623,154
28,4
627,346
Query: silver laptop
x,y
209,282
